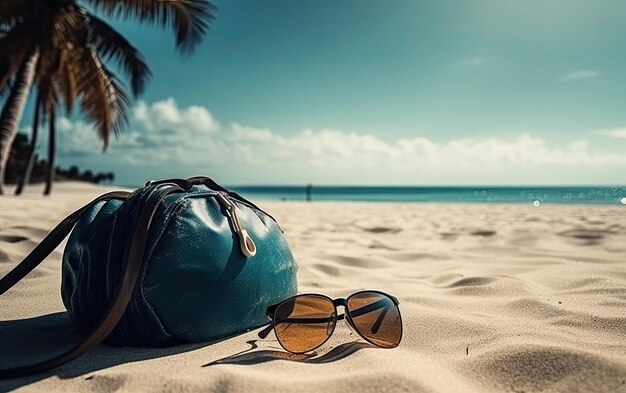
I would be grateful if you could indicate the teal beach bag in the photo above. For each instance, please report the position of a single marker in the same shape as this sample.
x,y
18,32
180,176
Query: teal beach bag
x,y
179,260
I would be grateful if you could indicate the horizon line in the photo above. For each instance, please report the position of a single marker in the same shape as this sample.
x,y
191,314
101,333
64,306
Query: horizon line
x,y
326,185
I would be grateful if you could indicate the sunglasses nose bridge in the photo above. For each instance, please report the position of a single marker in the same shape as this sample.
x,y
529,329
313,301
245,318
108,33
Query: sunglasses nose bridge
x,y
346,316
340,302
349,321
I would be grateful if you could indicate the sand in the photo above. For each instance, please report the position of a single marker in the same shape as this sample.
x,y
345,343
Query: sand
x,y
494,298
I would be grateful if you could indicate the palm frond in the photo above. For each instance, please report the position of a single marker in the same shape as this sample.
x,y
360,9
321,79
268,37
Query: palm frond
x,y
69,29
112,45
13,43
102,99
68,25
66,79
189,19
45,71
12,12
14,40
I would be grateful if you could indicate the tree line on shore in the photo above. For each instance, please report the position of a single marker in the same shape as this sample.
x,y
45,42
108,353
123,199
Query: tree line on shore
x,y
20,158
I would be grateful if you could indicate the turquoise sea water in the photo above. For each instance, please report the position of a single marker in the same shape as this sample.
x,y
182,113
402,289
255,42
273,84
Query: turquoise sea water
x,y
597,195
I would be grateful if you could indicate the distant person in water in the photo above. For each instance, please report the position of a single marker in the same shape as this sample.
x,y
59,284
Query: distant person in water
x,y
309,190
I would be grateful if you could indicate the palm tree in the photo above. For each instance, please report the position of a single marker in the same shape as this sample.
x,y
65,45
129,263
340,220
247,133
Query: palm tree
x,y
21,77
51,152
62,47
30,163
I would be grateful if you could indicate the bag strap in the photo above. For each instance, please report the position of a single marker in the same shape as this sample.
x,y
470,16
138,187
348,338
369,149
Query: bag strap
x,y
134,259
51,241
210,183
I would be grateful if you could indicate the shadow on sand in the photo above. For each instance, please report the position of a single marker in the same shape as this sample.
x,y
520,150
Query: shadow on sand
x,y
27,341
249,356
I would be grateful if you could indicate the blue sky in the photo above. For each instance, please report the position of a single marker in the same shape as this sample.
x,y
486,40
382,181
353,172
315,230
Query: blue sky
x,y
371,92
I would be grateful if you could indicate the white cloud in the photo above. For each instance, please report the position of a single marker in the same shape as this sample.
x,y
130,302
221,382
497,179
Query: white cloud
x,y
166,114
581,74
249,134
619,133
332,147
77,138
164,136
159,133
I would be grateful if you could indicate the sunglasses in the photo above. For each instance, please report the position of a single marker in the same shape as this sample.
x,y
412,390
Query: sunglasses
x,y
304,322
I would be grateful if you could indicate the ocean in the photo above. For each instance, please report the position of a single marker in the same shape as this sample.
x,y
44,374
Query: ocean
x,y
537,195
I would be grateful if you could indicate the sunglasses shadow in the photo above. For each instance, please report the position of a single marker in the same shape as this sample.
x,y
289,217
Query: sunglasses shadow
x,y
257,357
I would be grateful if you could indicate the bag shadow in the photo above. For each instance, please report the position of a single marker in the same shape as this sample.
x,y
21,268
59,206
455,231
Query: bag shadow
x,y
27,341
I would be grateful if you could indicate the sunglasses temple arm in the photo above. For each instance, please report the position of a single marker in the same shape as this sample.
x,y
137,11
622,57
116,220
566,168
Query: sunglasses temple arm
x,y
358,312
369,308
266,331
263,333
379,320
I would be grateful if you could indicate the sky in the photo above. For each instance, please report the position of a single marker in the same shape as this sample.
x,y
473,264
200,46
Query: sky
x,y
404,92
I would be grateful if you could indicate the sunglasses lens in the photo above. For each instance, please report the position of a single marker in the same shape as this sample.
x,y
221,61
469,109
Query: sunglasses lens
x,y
304,323
376,317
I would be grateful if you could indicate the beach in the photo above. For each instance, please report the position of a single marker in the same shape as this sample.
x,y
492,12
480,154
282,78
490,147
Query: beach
x,y
494,298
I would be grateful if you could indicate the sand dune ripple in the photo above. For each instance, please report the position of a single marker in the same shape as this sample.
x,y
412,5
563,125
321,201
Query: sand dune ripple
x,y
494,298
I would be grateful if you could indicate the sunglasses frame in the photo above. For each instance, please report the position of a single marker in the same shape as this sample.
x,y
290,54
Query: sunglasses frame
x,y
271,311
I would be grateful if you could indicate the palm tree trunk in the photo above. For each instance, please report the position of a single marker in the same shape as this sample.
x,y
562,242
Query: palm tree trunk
x,y
13,108
51,151
31,152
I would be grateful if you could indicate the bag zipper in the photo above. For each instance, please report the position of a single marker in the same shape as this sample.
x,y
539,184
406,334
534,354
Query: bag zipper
x,y
248,248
